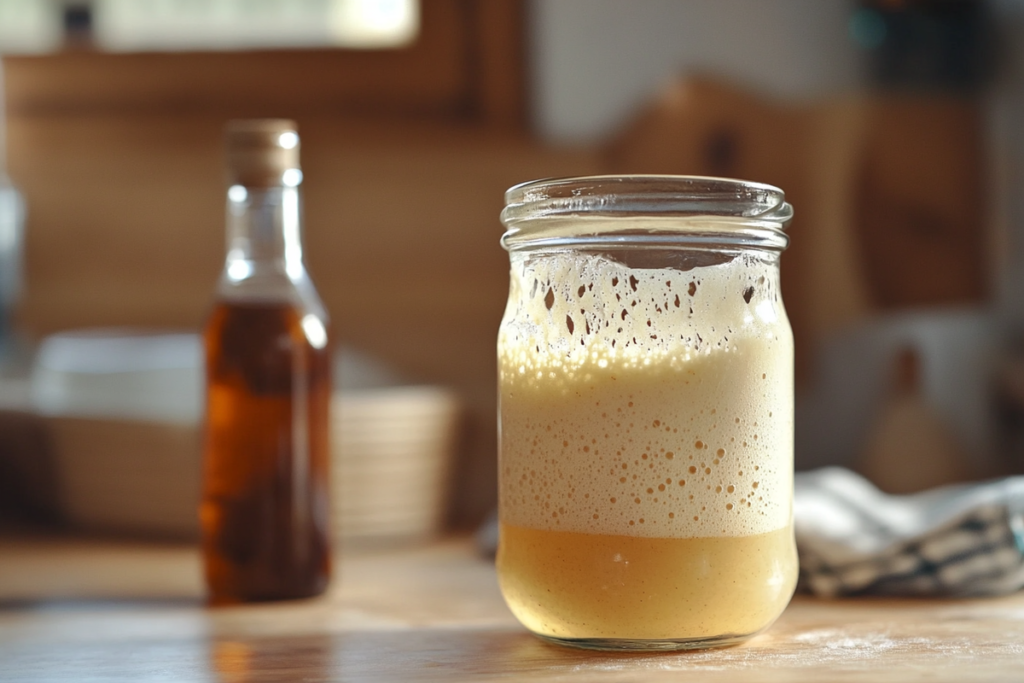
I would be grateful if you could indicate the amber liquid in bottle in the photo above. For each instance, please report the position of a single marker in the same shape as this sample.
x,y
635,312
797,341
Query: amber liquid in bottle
x,y
265,506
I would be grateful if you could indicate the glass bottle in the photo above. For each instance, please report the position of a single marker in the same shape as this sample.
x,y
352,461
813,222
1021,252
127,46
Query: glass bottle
x,y
265,505
646,412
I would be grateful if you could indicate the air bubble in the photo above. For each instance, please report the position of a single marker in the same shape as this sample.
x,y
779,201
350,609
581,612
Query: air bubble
x,y
691,348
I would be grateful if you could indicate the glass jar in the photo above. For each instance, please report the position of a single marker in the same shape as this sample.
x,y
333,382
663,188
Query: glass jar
x,y
646,412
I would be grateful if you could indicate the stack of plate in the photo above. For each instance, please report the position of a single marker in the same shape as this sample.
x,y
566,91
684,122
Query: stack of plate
x,y
124,412
392,459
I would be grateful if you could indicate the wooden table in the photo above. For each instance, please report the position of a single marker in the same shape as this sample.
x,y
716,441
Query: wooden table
x,y
87,611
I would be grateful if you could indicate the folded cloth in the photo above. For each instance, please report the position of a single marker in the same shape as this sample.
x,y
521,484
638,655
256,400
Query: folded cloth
x,y
959,540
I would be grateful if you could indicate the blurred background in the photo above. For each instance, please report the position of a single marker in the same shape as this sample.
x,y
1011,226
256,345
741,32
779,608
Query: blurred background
x,y
896,129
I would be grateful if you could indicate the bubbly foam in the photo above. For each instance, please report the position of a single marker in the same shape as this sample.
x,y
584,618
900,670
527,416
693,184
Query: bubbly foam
x,y
645,402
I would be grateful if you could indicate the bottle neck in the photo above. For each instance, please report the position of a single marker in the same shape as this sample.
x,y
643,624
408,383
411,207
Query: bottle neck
x,y
263,234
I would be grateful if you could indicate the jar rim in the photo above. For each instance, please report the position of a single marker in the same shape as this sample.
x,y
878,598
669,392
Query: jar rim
x,y
677,208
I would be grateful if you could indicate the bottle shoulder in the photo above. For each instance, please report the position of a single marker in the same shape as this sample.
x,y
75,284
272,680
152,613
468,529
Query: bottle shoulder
x,y
272,286
252,322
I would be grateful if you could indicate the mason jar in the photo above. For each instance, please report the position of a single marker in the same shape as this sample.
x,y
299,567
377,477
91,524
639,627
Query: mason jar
x,y
646,412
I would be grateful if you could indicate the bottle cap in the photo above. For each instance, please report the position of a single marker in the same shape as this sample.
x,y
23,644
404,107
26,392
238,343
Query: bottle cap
x,y
260,152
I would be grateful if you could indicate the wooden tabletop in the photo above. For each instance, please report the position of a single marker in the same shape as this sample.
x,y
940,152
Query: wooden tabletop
x,y
88,611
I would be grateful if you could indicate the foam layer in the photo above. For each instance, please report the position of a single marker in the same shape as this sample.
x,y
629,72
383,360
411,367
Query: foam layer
x,y
645,402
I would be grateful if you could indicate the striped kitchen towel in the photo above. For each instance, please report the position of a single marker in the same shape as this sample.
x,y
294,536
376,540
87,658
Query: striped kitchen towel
x,y
954,541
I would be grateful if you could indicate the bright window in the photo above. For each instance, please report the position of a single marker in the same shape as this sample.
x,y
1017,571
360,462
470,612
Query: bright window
x,y
28,26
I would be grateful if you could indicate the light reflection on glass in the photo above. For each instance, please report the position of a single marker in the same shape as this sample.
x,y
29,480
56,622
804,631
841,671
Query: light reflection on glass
x,y
315,331
288,139
239,270
292,240
237,194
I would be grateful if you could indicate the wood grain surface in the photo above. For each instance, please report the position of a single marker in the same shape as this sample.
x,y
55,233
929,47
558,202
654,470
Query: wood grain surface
x,y
76,611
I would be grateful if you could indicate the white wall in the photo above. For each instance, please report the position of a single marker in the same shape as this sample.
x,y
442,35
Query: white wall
x,y
593,62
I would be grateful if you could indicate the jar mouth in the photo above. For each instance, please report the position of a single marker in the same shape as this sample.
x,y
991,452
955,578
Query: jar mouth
x,y
654,210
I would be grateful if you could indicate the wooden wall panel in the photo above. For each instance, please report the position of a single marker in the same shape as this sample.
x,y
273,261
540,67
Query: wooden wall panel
x,y
126,228
501,62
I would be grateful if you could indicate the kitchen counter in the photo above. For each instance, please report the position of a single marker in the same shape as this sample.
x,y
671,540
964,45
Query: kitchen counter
x,y
79,610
